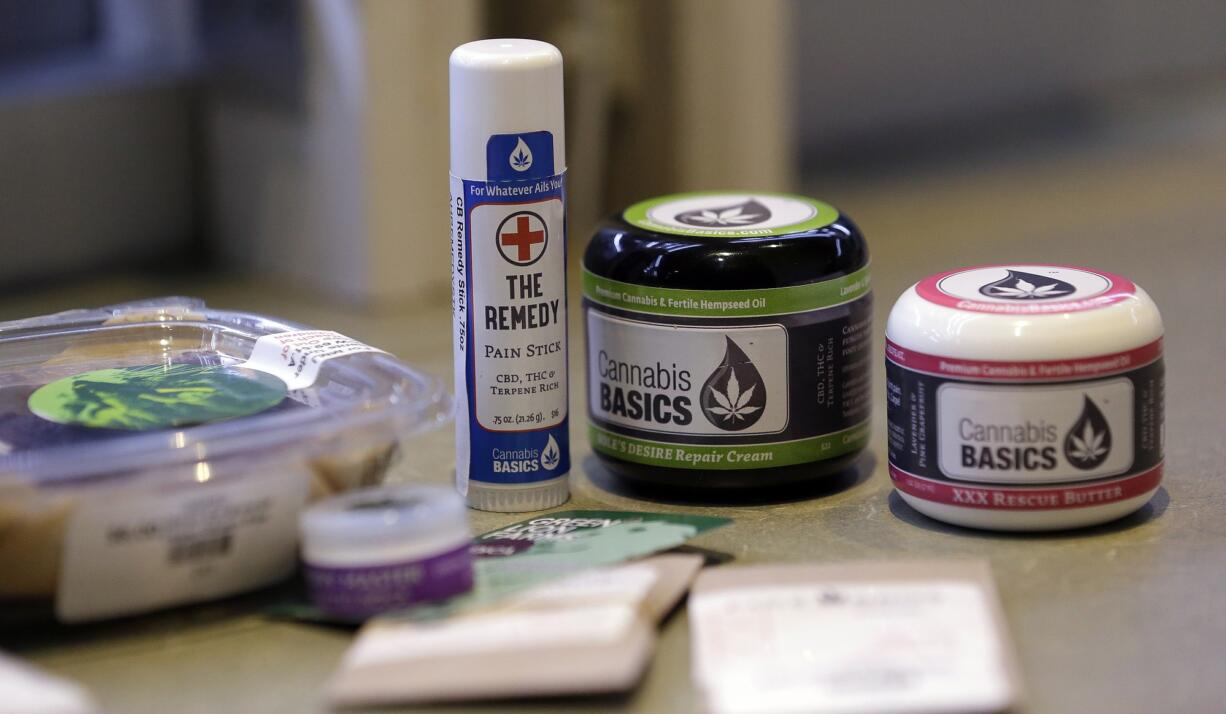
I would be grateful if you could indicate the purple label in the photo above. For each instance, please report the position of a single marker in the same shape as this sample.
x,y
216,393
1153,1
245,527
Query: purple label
x,y
369,590
500,547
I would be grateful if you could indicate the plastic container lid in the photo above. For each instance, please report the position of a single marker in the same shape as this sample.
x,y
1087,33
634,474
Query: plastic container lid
x,y
381,525
366,390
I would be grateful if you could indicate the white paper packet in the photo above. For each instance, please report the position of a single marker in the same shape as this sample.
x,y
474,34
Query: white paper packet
x,y
588,633
859,638
27,690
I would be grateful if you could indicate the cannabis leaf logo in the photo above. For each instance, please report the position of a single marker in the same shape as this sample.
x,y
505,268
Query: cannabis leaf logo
x,y
1020,285
725,400
1089,438
521,156
1026,289
1089,446
733,405
746,213
551,454
730,217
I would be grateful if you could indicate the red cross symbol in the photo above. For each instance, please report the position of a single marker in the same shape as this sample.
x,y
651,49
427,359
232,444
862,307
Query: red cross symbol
x,y
522,239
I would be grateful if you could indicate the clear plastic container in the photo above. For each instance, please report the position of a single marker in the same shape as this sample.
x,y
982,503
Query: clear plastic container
x,y
112,521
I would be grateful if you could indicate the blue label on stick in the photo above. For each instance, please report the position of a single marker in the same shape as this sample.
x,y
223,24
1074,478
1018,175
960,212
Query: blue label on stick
x,y
515,157
514,306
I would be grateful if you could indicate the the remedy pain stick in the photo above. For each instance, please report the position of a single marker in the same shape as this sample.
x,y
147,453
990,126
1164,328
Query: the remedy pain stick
x,y
508,243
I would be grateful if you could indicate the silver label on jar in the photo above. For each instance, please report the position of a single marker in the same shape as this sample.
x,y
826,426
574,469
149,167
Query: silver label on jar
x,y
688,380
1068,432
733,393
1024,424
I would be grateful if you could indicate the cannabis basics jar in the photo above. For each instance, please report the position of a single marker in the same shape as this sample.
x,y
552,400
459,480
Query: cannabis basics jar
x,y
728,340
1025,397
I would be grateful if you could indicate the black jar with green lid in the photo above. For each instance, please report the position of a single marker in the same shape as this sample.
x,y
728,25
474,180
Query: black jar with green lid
x,y
729,341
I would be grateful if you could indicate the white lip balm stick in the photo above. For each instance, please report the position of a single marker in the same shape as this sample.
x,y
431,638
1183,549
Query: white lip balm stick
x,y
508,247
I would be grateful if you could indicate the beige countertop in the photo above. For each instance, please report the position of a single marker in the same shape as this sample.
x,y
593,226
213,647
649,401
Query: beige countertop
x,y
1125,617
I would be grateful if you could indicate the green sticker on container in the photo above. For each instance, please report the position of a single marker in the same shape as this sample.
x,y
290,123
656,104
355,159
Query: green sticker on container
x,y
731,215
156,396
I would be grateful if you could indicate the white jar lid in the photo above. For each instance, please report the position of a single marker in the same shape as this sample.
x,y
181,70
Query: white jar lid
x,y
384,525
1023,312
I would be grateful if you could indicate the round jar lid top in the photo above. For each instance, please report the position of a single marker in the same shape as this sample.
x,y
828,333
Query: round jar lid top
x,y
1025,289
1024,311
388,514
710,214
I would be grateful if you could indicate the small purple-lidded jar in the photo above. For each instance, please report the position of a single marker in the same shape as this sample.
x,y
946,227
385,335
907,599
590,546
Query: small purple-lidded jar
x,y
385,549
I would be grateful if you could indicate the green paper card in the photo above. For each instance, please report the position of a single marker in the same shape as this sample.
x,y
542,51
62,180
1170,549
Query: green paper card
x,y
550,546
545,547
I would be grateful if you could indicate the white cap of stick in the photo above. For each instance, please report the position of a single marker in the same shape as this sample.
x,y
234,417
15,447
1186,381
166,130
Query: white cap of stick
x,y
503,86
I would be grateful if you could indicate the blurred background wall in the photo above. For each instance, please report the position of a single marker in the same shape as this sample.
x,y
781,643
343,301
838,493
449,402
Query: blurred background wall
x,y
303,142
